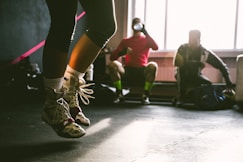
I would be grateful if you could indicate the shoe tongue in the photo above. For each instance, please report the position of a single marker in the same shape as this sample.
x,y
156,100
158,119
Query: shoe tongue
x,y
82,81
73,82
70,80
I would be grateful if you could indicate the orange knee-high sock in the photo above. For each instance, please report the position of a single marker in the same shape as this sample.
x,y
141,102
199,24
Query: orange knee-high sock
x,y
84,53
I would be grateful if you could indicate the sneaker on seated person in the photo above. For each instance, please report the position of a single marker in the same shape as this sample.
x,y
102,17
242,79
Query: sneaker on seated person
x,y
145,99
119,97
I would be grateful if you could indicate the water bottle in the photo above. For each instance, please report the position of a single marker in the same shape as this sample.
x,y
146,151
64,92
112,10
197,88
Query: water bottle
x,y
138,26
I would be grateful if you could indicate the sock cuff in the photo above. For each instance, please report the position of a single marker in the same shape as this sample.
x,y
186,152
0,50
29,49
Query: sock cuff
x,y
118,84
72,72
148,86
55,83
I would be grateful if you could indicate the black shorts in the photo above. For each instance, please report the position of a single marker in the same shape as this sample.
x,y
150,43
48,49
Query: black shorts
x,y
134,76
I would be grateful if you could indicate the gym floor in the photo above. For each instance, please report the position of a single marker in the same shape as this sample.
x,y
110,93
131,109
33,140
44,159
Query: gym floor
x,y
128,132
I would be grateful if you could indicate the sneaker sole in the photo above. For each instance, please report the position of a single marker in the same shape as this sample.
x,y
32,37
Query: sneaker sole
x,y
57,127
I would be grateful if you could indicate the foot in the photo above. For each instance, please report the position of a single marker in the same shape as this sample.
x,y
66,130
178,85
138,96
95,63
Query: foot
x,y
76,88
56,114
119,98
181,100
145,100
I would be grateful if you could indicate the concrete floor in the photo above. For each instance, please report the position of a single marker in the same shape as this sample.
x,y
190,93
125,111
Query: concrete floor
x,y
128,132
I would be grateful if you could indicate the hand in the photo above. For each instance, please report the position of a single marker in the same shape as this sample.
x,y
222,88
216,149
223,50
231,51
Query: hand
x,y
125,51
129,50
229,93
144,30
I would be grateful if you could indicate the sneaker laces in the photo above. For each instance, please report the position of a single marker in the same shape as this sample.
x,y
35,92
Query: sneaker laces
x,y
62,102
65,105
85,93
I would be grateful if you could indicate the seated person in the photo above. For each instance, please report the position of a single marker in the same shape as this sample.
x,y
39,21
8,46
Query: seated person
x,y
137,69
190,59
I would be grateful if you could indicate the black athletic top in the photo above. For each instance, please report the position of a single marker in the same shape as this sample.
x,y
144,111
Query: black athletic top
x,y
194,61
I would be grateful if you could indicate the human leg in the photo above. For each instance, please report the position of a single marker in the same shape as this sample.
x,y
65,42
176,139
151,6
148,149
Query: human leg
x,y
203,80
55,110
187,83
184,82
150,73
116,71
101,27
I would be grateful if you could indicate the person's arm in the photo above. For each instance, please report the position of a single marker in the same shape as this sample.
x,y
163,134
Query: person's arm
x,y
178,59
119,51
218,63
151,43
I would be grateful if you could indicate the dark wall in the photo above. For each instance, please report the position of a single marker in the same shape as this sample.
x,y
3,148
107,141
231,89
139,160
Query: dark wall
x,y
24,24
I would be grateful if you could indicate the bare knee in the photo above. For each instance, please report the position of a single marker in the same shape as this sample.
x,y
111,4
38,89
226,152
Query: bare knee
x,y
112,66
115,67
152,67
151,71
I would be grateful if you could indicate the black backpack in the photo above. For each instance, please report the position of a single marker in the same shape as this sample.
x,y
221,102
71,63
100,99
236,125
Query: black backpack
x,y
209,97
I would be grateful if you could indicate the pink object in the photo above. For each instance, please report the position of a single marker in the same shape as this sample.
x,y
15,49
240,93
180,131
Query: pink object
x,y
35,48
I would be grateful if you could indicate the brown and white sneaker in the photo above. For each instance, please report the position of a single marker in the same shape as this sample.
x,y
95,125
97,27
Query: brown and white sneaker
x,y
77,88
56,114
